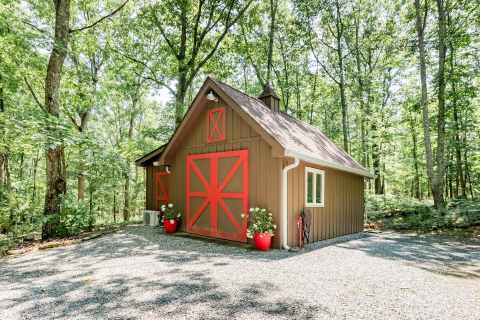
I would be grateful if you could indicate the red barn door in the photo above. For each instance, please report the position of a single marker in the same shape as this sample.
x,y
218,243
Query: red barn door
x,y
217,194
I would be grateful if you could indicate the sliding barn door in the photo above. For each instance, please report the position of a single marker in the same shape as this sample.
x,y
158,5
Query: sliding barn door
x,y
217,194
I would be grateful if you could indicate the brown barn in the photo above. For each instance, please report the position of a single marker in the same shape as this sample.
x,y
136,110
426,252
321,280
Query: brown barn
x,y
233,151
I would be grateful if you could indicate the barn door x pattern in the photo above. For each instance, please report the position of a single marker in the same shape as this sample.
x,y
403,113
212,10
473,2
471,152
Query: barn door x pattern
x,y
217,194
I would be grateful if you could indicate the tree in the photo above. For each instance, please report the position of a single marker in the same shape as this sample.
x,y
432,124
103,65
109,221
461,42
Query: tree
x,y
55,154
193,32
421,14
331,14
55,157
436,176
438,179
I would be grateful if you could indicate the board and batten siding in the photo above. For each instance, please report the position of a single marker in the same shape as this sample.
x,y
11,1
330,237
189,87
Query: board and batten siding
x,y
264,170
342,214
343,210
151,188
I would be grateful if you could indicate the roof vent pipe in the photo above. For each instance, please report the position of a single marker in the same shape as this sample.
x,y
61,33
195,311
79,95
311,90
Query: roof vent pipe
x,y
285,202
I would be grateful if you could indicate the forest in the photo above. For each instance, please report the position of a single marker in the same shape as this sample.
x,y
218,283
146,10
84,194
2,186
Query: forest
x,y
89,86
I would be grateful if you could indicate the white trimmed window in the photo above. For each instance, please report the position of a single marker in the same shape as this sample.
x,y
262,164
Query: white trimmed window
x,y
314,187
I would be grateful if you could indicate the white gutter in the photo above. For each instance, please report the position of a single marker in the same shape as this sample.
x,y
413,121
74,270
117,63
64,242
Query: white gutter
x,y
312,159
285,201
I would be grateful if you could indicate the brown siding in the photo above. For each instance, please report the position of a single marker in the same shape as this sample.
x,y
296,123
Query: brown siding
x,y
151,188
264,170
343,210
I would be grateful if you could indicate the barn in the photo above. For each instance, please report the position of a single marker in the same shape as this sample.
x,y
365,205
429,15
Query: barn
x,y
233,151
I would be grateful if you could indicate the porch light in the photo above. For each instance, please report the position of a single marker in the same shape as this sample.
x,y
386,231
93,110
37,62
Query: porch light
x,y
211,96
166,167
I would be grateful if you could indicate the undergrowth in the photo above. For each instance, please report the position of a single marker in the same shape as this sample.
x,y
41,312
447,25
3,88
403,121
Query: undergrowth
x,y
400,213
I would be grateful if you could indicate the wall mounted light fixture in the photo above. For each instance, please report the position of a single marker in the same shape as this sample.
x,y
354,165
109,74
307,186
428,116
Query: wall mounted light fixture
x,y
212,96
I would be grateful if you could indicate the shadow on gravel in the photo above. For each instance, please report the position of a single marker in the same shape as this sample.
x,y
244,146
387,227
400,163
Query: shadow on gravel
x,y
62,282
190,295
437,254
144,241
70,282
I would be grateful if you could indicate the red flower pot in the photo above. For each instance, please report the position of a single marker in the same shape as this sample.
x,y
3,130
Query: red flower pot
x,y
262,241
170,225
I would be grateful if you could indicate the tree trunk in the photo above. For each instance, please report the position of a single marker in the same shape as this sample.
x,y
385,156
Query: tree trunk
x,y
2,101
313,97
126,198
182,71
55,158
273,13
20,169
341,83
114,207
420,27
461,185
81,180
8,185
35,166
416,179
126,186
376,165
91,204
2,132
343,99
361,90
2,172
467,172
81,183
449,178
297,96
245,78
285,88
438,198
8,178
180,95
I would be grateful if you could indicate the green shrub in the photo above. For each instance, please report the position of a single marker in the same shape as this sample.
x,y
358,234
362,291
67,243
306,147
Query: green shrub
x,y
74,218
393,212
18,220
386,206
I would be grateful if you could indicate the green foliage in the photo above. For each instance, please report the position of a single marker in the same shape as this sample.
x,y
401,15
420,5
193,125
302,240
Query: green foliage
x,y
260,221
74,218
170,213
386,206
121,78
402,213
19,220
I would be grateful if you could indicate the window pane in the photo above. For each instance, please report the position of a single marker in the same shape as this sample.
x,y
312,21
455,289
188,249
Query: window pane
x,y
319,190
309,187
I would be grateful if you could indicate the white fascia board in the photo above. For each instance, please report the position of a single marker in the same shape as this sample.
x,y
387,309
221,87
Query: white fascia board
x,y
312,159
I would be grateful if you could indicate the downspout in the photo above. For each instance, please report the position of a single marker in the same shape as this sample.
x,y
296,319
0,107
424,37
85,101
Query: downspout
x,y
285,202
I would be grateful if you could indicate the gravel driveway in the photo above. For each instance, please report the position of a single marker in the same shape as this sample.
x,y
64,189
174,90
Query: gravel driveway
x,y
140,273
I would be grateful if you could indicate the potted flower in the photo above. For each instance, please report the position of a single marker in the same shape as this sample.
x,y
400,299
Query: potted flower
x,y
261,228
170,218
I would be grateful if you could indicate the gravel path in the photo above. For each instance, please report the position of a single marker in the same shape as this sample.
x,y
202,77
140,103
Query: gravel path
x,y
139,273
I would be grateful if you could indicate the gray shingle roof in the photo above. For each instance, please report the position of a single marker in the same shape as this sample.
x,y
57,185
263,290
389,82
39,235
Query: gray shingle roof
x,y
293,135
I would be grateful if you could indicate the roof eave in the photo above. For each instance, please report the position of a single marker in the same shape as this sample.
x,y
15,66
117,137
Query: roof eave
x,y
315,160
152,154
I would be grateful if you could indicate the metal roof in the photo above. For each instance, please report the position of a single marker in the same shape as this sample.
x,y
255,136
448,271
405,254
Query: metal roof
x,y
298,138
